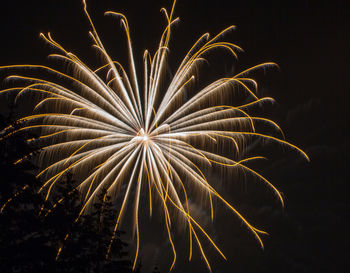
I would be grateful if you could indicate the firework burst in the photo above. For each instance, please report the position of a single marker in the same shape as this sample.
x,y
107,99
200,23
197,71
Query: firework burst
x,y
139,138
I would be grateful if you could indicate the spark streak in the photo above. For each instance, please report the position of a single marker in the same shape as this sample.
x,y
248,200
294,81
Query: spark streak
x,y
108,130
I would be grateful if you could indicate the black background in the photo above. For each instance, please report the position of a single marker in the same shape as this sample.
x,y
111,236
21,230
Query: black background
x,y
310,42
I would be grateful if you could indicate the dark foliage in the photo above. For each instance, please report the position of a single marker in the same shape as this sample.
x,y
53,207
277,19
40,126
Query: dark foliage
x,y
33,231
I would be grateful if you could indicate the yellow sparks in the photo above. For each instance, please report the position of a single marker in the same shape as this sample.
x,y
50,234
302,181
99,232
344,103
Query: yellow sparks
x,y
111,132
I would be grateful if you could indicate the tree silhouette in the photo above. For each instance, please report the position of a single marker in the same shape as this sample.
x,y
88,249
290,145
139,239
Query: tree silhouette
x,y
34,230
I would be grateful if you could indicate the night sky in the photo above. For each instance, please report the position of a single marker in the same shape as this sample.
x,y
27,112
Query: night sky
x,y
309,40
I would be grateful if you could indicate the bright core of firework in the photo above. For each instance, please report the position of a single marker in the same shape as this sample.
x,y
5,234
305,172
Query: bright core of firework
x,y
142,136
133,138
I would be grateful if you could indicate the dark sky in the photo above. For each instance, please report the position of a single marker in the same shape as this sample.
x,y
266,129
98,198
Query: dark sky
x,y
310,42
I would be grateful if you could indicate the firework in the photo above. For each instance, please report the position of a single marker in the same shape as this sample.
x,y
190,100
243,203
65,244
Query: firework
x,y
142,138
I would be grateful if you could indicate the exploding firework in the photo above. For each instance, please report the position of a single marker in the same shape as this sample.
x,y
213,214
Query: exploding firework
x,y
143,138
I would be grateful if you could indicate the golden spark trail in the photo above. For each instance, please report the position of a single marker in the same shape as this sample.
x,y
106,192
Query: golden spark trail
x,y
155,139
